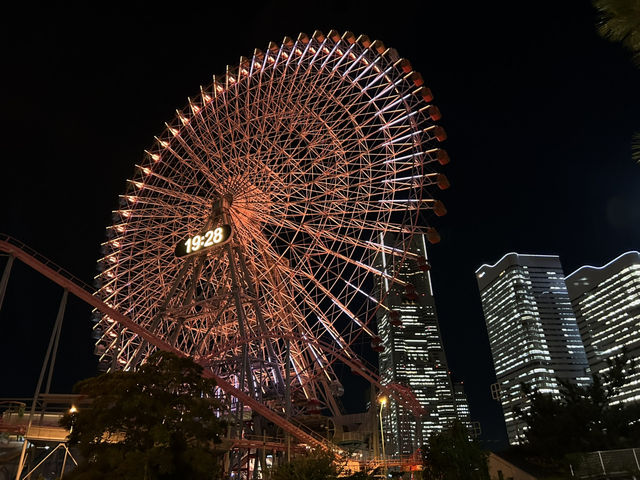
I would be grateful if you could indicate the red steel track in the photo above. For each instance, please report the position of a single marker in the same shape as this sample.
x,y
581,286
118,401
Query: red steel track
x,y
79,289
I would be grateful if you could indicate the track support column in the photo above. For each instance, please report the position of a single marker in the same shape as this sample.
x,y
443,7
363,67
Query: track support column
x,y
55,337
5,278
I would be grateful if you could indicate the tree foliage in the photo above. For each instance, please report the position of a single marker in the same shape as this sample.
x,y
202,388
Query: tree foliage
x,y
451,455
155,423
581,419
318,466
315,466
619,21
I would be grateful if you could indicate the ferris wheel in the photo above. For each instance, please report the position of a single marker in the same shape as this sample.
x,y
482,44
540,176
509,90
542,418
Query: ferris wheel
x,y
249,235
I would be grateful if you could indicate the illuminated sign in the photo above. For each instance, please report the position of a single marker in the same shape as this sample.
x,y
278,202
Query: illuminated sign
x,y
198,243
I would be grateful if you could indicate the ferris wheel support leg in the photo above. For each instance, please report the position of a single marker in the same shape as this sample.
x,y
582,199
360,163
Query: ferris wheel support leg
x,y
256,306
191,287
257,429
287,394
5,278
263,457
235,287
116,349
245,371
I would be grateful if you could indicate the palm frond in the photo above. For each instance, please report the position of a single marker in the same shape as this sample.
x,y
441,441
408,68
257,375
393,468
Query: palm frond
x,y
635,147
619,21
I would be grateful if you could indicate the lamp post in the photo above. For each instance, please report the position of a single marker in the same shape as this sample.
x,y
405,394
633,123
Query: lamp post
x,y
73,410
383,402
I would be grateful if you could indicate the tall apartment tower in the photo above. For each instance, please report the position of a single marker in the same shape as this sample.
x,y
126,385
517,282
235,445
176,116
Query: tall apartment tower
x,y
411,351
606,301
532,330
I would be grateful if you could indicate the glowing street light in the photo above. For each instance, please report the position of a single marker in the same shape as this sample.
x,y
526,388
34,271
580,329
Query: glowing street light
x,y
383,402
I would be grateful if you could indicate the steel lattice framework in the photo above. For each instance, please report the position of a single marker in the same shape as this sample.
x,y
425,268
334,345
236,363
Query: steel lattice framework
x,y
310,150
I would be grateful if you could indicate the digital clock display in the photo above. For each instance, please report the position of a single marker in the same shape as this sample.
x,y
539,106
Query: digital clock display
x,y
211,238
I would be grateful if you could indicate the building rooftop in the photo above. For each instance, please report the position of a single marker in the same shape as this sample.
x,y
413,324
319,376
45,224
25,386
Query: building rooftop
x,y
486,273
587,277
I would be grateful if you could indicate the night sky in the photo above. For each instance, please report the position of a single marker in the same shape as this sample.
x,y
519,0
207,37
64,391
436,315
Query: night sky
x,y
539,112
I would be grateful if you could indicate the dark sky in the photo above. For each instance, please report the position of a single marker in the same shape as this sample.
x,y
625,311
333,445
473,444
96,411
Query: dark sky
x,y
539,111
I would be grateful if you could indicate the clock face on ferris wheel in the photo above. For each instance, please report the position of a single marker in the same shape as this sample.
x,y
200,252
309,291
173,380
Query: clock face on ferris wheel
x,y
214,237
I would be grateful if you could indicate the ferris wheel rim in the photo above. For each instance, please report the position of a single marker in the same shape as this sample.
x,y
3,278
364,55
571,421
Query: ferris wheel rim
x,y
174,138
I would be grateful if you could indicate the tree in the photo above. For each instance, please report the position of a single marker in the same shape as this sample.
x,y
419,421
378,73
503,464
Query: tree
x,y
158,422
315,466
581,419
451,455
619,21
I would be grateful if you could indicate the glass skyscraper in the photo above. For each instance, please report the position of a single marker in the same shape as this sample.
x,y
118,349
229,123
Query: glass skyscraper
x,y
532,330
606,301
411,351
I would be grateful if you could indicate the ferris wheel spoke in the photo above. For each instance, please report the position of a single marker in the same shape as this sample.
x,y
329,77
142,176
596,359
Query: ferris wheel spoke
x,y
324,321
357,263
327,293
193,160
179,195
208,142
143,200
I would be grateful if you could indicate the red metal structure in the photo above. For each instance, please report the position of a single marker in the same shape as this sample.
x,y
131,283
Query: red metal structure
x,y
80,290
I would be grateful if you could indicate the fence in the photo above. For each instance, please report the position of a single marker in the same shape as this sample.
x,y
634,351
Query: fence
x,y
608,464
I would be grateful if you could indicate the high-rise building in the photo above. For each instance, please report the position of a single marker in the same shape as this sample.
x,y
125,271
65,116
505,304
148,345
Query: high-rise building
x,y
462,405
606,301
410,350
532,330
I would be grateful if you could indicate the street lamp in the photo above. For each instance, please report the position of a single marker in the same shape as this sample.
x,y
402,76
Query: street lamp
x,y
383,402
72,411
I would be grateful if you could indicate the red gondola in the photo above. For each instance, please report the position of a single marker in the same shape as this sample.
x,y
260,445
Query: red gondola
x,y
410,293
432,235
376,344
423,264
314,406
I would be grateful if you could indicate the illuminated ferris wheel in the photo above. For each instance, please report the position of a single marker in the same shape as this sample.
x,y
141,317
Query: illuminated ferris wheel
x,y
248,237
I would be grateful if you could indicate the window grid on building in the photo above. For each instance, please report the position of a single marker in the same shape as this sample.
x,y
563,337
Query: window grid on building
x,y
607,305
533,334
413,356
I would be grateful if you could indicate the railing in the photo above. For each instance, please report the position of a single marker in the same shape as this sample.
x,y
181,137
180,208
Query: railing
x,y
47,434
608,464
47,403
14,419
44,426
44,260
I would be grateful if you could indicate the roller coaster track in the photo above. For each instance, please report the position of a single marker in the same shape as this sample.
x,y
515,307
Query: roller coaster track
x,y
81,290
